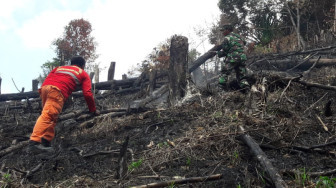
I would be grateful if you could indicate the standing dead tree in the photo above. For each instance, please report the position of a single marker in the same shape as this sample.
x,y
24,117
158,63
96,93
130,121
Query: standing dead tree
x,y
178,65
110,75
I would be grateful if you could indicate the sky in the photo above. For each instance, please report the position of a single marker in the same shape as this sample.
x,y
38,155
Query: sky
x,y
126,31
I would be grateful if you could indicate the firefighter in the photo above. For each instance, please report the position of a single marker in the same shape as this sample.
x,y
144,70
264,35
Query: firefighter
x,y
233,49
56,88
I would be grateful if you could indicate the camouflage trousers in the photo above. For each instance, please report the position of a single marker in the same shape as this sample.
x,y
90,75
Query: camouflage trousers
x,y
233,71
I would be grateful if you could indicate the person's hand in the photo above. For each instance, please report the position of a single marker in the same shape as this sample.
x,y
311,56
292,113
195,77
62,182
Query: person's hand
x,y
213,52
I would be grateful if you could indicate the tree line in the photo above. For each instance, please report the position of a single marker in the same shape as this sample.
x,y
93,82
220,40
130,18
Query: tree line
x,y
264,22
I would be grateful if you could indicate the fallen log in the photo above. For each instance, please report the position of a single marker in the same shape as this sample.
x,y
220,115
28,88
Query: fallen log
x,y
13,148
284,65
263,160
138,104
122,164
209,54
180,181
276,56
19,96
108,85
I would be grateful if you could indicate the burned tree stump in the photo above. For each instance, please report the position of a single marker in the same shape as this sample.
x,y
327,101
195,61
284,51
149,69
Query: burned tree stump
x,y
152,80
178,68
110,75
35,85
0,84
96,73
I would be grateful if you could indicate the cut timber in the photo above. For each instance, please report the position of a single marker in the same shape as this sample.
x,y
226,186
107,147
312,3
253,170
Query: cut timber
x,y
181,181
263,160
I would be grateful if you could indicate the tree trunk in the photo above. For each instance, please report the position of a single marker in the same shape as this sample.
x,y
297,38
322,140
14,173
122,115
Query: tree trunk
x,y
335,18
301,43
35,85
152,80
209,54
96,70
178,65
0,84
111,71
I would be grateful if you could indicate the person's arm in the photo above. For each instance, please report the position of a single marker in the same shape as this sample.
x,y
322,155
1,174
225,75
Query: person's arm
x,y
224,50
87,92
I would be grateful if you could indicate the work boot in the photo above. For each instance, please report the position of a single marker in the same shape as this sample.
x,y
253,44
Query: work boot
x,y
36,147
45,142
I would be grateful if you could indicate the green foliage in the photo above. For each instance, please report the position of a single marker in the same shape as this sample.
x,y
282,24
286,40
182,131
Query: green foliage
x,y
6,180
193,54
135,165
161,144
266,24
261,49
188,162
326,182
302,178
172,185
47,67
218,114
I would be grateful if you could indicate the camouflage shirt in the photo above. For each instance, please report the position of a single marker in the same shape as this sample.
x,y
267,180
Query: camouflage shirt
x,y
233,48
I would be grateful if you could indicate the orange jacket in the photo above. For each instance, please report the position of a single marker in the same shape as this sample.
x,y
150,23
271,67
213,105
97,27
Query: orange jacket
x,y
67,78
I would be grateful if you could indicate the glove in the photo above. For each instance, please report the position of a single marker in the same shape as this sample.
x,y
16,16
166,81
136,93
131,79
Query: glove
x,y
213,52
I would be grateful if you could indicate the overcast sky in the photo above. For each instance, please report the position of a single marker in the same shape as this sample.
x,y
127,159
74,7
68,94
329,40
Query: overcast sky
x,y
126,31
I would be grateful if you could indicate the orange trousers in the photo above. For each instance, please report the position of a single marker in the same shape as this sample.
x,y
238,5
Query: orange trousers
x,y
52,104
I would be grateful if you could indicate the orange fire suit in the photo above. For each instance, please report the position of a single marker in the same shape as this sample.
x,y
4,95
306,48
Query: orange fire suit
x,y
56,88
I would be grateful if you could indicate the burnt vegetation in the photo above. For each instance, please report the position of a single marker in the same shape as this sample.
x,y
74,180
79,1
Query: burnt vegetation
x,y
279,133
199,142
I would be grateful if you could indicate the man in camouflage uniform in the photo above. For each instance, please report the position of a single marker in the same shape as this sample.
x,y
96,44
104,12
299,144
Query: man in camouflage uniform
x,y
233,49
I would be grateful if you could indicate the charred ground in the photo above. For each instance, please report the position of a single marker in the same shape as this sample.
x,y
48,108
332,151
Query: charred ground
x,y
198,138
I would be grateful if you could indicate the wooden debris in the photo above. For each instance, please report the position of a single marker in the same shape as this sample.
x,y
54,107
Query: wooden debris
x,y
322,123
181,181
13,148
122,165
263,160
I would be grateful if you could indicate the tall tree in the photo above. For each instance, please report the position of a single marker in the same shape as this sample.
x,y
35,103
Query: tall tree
x,y
77,40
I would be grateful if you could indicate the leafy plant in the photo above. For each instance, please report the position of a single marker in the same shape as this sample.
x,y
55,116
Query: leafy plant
x,y
6,180
188,161
135,165
218,114
172,185
302,177
161,144
326,182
